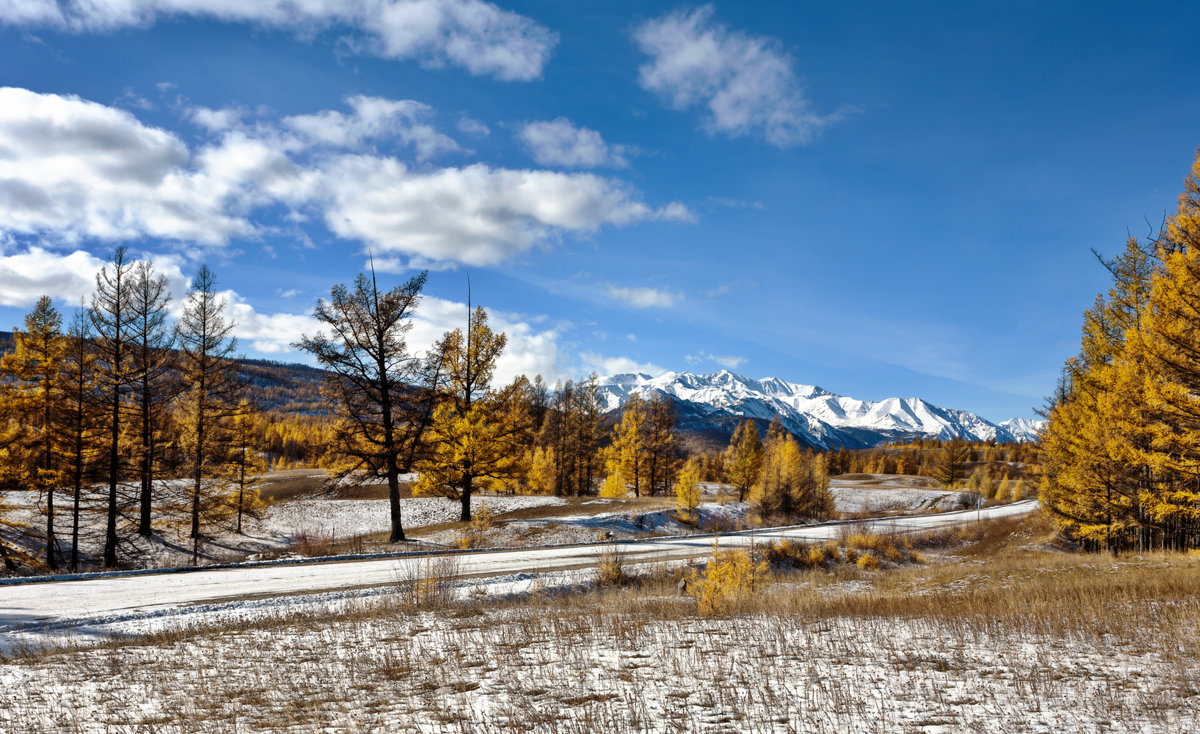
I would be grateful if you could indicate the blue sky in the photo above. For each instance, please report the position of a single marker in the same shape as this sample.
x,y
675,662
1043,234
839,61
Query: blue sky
x,y
882,199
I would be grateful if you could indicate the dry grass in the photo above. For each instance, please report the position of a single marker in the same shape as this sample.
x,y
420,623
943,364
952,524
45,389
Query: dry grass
x,y
996,639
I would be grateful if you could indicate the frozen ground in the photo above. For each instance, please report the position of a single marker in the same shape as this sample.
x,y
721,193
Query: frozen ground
x,y
281,525
50,612
343,518
855,500
548,666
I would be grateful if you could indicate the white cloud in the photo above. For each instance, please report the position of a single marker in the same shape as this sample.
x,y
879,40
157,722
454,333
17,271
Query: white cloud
x,y
475,215
607,366
471,126
27,276
67,278
73,168
560,143
530,351
745,83
374,118
472,34
266,333
218,120
643,297
727,361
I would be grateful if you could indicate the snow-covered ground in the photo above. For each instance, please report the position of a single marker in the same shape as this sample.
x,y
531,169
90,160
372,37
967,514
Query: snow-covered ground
x,y
854,500
32,614
281,525
344,518
595,524
543,667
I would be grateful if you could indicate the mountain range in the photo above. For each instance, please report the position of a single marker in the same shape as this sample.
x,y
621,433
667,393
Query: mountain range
x,y
714,404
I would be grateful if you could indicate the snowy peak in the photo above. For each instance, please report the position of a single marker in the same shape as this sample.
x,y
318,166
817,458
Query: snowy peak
x,y
822,418
1023,429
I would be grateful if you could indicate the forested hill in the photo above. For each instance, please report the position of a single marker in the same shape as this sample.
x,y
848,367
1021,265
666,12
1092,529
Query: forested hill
x,y
276,386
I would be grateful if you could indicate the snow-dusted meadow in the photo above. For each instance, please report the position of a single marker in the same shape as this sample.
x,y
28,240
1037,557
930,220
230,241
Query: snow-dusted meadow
x,y
804,659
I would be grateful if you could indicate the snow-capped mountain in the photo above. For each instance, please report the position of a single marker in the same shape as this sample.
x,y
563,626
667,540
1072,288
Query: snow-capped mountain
x,y
821,418
1023,429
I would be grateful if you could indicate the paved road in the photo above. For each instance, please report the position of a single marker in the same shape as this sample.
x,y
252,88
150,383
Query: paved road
x,y
54,603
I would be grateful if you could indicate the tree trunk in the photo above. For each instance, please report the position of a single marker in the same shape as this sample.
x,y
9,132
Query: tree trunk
x,y
466,498
110,528
147,463
397,535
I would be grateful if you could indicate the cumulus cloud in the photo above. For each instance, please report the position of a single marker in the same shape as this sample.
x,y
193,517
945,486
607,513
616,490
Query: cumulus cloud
x,y
374,118
73,169
558,142
607,366
216,120
69,277
530,351
37,272
475,215
643,297
746,84
266,333
472,34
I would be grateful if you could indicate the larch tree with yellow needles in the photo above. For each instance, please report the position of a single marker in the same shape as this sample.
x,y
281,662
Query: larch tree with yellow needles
x,y
31,395
478,434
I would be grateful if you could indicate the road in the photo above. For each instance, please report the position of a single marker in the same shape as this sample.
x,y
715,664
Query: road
x,y
109,598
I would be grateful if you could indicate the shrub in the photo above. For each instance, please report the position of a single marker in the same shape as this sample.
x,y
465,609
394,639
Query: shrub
x,y
868,562
611,571
428,582
476,532
790,554
728,577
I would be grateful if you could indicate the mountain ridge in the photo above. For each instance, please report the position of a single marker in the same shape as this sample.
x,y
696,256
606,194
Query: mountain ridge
x,y
820,418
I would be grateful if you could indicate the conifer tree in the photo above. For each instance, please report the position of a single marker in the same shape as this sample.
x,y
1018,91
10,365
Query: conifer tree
x,y
950,459
79,420
383,394
477,432
629,443
662,443
212,386
32,393
743,459
112,325
790,482
245,463
687,491
151,367
542,472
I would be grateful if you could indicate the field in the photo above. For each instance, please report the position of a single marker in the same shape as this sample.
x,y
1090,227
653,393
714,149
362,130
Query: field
x,y
305,519
995,630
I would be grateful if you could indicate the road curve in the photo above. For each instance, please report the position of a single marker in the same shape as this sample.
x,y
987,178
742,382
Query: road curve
x,y
27,606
